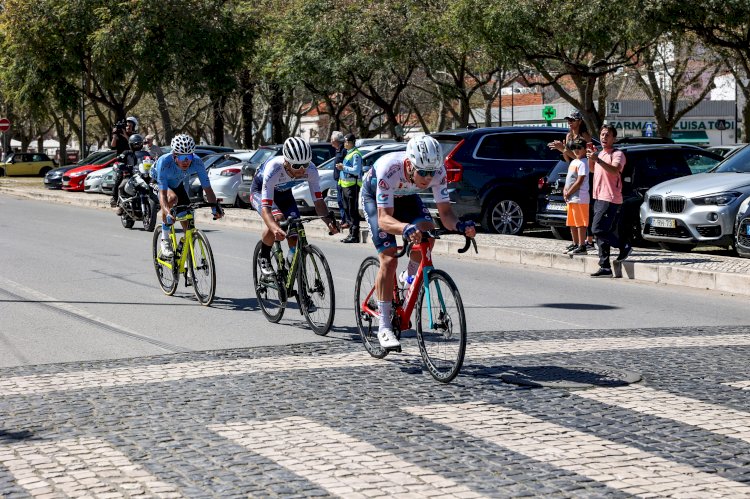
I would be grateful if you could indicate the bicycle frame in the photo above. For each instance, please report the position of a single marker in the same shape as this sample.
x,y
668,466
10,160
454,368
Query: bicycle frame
x,y
187,245
291,268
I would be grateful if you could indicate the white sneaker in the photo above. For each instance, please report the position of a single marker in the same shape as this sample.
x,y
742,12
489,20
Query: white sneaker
x,y
387,339
265,266
166,249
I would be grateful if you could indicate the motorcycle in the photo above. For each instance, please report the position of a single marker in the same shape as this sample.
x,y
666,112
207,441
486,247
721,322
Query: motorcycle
x,y
139,199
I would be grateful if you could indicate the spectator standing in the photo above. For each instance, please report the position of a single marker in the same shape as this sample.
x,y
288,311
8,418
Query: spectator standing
x,y
350,181
337,141
607,166
576,194
577,130
153,150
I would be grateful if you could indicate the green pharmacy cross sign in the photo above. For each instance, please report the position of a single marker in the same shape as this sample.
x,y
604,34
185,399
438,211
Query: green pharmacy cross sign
x,y
549,113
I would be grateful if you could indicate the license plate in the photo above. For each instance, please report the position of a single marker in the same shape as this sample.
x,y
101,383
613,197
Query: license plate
x,y
333,204
557,207
666,223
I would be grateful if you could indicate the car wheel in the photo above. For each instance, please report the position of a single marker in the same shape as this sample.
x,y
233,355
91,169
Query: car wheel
x,y
2,172
504,216
677,247
44,171
561,233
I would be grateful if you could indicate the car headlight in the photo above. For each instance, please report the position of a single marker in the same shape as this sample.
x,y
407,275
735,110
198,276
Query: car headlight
x,y
81,174
744,209
719,199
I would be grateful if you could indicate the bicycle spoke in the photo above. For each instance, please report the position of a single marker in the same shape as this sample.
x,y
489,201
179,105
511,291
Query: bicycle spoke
x,y
441,327
168,277
367,321
202,269
315,286
269,291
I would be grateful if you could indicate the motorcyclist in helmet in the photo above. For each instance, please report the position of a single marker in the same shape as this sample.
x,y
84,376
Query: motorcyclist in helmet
x,y
124,167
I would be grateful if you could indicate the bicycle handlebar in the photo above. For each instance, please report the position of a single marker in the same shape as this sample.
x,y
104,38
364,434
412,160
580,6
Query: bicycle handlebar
x,y
435,234
284,224
190,207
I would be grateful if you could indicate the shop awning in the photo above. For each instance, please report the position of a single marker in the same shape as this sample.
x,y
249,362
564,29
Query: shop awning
x,y
690,137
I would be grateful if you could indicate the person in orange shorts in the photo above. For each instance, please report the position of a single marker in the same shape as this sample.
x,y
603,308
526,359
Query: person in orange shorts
x,y
576,194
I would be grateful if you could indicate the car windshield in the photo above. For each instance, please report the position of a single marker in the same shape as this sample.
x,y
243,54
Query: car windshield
x,y
262,155
739,162
327,165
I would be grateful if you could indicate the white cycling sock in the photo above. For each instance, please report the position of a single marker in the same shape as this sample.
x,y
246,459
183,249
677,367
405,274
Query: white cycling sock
x,y
384,307
165,231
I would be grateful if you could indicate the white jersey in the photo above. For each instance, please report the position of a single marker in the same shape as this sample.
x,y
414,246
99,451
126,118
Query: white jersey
x,y
392,181
276,179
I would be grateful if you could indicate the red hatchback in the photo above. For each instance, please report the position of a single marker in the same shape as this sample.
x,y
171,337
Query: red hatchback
x,y
73,179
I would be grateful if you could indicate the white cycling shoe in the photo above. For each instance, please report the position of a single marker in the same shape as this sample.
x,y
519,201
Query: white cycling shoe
x,y
388,340
166,249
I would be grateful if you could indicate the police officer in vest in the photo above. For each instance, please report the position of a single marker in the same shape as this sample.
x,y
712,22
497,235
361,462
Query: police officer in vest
x,y
350,181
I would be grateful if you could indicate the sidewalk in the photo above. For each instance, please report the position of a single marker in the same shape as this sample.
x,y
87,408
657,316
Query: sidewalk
x,y
697,270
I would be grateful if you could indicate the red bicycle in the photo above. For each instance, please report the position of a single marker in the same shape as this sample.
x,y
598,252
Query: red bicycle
x,y
440,318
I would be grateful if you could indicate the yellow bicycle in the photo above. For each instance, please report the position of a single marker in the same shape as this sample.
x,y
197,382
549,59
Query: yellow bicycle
x,y
191,257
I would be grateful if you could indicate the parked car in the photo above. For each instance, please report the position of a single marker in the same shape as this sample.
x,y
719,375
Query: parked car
x,y
645,166
93,181
73,178
699,210
635,139
26,163
108,182
322,151
370,153
493,173
742,230
726,150
225,176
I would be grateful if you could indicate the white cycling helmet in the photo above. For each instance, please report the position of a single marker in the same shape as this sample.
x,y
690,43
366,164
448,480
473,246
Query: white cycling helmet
x,y
297,151
183,144
424,153
135,122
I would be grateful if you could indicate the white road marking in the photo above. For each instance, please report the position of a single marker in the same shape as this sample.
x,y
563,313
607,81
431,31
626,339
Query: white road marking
x,y
616,465
80,467
742,385
340,464
714,418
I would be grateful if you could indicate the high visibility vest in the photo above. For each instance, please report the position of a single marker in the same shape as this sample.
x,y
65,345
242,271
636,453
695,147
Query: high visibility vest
x,y
347,179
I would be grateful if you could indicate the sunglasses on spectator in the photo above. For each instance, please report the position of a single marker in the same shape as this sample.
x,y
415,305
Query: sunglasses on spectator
x,y
426,173
183,157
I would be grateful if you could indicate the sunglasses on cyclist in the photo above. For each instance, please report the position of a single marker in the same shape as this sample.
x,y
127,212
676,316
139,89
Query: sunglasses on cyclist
x,y
297,166
183,157
426,173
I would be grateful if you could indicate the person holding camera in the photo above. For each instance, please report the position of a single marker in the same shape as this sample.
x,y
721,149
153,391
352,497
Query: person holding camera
x,y
122,132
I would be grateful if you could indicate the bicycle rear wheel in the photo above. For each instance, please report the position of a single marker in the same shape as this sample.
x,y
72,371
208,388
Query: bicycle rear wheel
x,y
202,269
364,296
441,326
316,295
269,291
168,277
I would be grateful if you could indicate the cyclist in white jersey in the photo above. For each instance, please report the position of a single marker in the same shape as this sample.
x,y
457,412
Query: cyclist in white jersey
x,y
271,195
392,207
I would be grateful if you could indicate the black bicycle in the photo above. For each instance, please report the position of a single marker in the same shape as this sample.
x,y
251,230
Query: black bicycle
x,y
308,269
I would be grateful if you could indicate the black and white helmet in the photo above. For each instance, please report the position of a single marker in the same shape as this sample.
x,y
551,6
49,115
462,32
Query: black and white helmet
x,y
424,153
183,144
297,151
134,120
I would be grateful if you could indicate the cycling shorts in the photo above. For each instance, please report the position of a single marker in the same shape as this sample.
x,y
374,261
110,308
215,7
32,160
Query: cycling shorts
x,y
283,204
405,209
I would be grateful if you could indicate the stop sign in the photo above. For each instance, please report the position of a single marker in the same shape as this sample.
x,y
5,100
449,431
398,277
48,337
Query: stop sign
x,y
4,124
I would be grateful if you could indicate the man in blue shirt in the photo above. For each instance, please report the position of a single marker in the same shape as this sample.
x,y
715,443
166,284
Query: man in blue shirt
x,y
172,173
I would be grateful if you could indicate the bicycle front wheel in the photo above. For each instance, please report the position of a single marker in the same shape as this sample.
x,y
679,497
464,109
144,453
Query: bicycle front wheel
x,y
441,326
202,269
168,277
316,296
366,306
269,291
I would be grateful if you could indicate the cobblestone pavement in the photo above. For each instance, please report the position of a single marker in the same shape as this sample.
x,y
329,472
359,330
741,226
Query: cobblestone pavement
x,y
328,420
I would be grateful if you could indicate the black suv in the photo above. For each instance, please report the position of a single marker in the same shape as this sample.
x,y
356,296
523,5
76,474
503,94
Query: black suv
x,y
322,151
493,173
645,166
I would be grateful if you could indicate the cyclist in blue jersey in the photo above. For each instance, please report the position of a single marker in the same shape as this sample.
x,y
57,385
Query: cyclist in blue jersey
x,y
271,195
172,176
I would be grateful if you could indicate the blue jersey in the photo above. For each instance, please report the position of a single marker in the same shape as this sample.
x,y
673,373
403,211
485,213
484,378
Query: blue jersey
x,y
170,176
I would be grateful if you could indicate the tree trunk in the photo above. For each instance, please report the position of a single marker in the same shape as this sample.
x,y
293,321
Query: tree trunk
x,y
248,93
218,115
277,110
166,119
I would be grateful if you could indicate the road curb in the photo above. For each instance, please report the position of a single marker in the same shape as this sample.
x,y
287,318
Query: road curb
x,y
670,275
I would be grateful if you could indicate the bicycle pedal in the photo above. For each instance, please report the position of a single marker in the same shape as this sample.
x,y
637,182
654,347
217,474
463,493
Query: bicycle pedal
x,y
393,349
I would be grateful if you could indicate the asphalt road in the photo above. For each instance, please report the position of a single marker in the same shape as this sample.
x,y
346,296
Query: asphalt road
x,y
75,285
